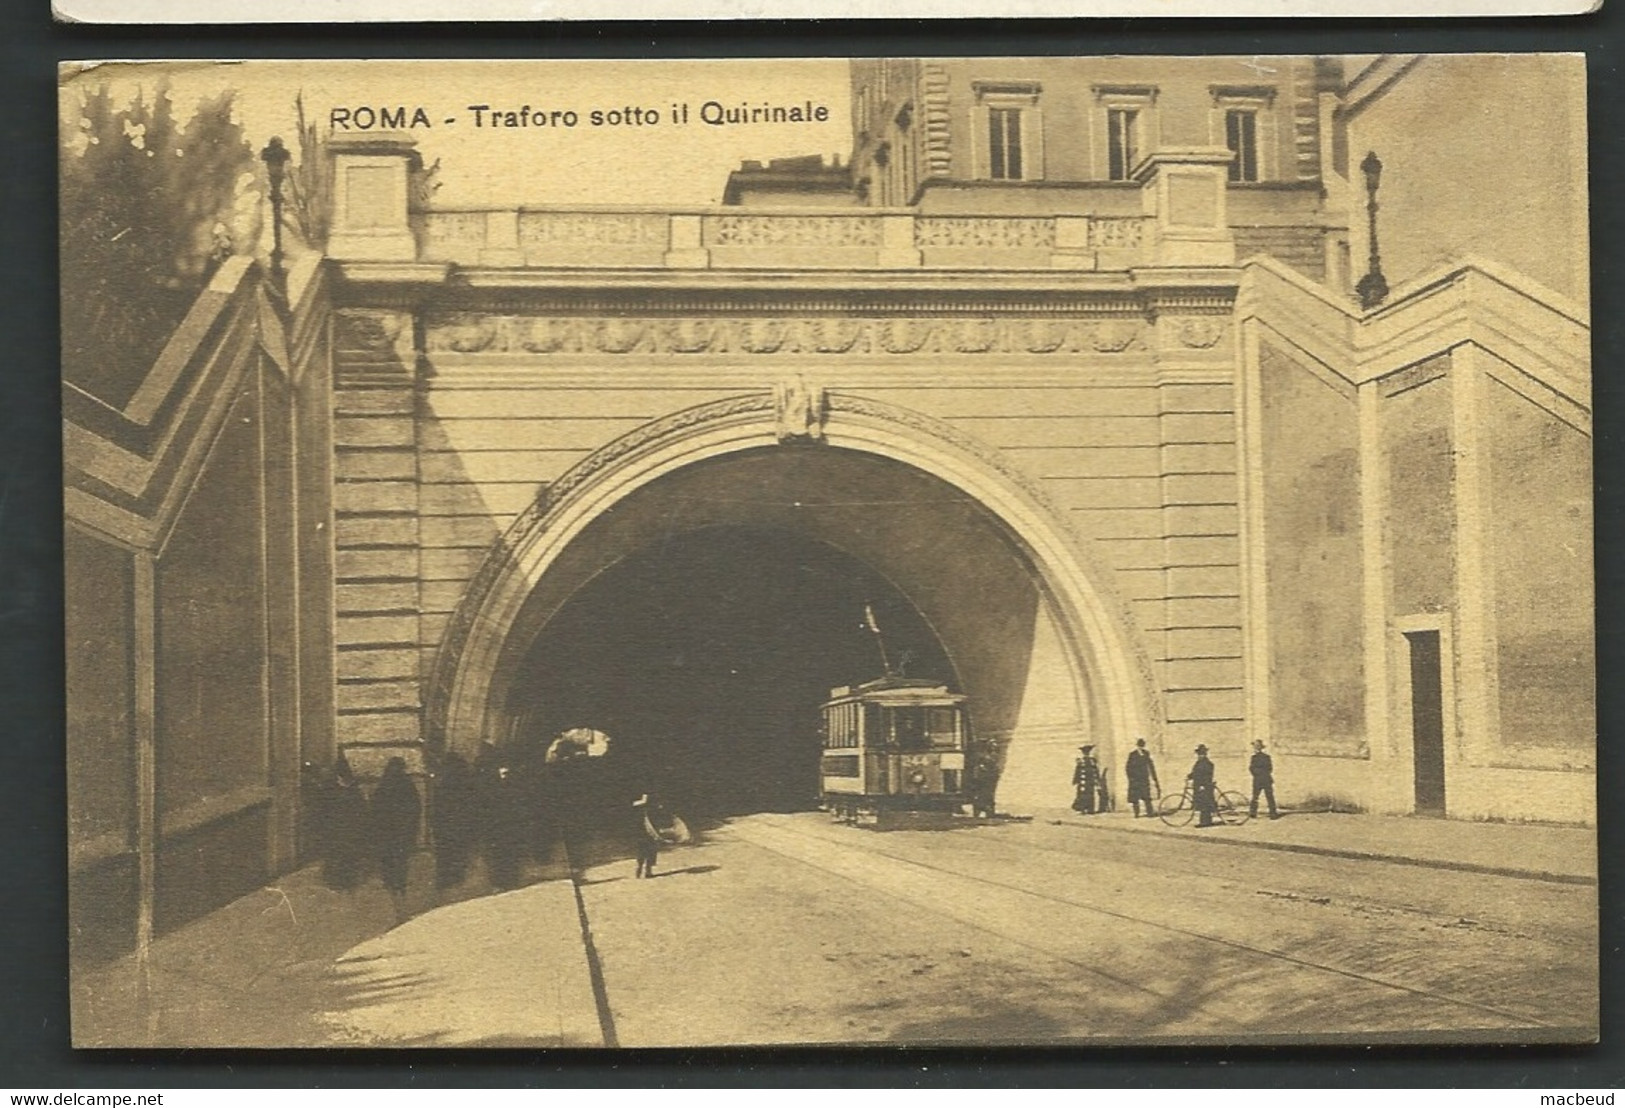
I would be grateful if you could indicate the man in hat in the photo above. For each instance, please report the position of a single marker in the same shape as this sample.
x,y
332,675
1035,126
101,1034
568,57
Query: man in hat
x,y
1142,776
1202,785
1263,771
1085,780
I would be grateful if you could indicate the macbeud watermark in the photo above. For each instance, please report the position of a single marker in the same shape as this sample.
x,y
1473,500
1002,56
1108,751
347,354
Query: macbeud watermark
x,y
1577,1098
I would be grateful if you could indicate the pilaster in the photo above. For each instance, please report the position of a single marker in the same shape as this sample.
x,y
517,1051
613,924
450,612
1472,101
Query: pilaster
x,y
1382,735
1184,190
1476,671
376,524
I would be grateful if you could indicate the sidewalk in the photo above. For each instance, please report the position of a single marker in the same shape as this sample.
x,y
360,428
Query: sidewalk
x,y
1540,852
299,964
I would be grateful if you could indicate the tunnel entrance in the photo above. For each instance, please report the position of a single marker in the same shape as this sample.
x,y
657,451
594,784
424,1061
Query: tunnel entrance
x,y
696,588
705,656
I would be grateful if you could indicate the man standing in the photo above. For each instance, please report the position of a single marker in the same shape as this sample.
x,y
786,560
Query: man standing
x,y
1263,771
1142,776
1201,779
1085,781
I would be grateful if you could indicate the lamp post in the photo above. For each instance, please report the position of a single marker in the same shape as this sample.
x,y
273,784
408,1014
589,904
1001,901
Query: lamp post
x,y
1373,287
275,156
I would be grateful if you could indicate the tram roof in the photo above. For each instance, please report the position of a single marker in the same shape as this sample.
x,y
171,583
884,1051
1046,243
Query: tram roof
x,y
896,690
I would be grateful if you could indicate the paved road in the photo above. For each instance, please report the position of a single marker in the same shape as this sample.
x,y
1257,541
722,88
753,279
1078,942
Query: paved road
x,y
792,929
789,929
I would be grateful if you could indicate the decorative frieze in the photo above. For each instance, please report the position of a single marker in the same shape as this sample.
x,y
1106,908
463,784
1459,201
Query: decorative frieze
x,y
593,229
476,333
984,233
786,230
1126,232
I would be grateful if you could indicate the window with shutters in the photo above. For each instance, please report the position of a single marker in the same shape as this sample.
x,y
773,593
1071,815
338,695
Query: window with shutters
x,y
1122,142
1008,130
1244,121
1241,136
1125,131
1004,144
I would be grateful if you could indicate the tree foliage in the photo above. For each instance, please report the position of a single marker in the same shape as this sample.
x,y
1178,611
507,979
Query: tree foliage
x,y
310,183
151,204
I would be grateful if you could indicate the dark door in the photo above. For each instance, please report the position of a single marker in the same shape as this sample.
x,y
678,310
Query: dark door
x,y
1427,721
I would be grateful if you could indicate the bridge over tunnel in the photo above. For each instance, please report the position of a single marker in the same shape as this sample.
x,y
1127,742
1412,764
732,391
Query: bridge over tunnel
x,y
701,621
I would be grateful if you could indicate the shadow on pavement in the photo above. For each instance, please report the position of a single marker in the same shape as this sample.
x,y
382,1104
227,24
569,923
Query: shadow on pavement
x,y
685,869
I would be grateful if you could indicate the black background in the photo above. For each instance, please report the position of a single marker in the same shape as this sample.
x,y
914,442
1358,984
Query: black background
x,y
34,1033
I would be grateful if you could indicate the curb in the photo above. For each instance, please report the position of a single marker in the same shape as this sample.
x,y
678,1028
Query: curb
x,y
1355,855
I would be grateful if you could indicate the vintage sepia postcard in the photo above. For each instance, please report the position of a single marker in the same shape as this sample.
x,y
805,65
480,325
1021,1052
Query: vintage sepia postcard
x,y
908,550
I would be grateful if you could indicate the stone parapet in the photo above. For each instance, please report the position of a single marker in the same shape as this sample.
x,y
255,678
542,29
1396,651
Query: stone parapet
x,y
732,238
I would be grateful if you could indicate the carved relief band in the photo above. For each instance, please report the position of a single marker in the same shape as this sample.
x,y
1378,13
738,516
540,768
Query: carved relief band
x,y
477,333
593,229
992,233
1128,231
782,230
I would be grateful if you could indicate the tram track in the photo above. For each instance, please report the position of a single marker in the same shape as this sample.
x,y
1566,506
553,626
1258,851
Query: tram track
x,y
1342,896
784,829
595,965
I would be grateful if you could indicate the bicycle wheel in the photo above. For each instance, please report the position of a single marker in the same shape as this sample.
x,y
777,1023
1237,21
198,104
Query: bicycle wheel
x,y
1175,809
1232,808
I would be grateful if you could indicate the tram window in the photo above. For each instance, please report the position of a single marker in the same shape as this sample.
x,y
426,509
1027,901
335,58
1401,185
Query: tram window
x,y
910,729
840,722
943,724
950,780
874,726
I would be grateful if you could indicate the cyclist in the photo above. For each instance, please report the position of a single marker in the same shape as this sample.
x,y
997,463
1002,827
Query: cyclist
x,y
1202,787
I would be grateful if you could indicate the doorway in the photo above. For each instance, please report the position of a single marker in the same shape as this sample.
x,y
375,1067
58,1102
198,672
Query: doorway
x,y
1427,721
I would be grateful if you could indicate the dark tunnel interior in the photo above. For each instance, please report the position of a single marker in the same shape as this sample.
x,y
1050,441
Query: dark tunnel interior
x,y
705,657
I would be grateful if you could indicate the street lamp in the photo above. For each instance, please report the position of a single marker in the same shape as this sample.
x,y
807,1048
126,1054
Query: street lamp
x,y
1373,287
275,156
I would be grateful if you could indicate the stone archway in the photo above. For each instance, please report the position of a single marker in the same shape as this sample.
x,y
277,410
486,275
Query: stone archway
x,y
1093,678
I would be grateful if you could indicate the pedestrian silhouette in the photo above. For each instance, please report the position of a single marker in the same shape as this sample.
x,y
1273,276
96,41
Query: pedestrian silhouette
x,y
1141,772
1202,786
396,812
506,842
1086,781
1263,773
456,808
344,829
646,834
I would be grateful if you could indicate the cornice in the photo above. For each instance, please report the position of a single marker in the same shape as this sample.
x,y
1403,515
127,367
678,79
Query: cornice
x,y
1538,332
864,292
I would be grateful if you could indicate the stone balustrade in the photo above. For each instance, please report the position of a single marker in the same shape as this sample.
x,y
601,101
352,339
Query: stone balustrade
x,y
1182,224
744,239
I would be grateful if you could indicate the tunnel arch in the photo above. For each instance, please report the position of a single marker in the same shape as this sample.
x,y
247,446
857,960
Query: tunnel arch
x,y
1083,624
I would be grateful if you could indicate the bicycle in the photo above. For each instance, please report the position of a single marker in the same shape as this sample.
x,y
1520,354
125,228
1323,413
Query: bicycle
x,y
1229,808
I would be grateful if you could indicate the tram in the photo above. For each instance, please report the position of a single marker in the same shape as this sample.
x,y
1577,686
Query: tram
x,y
894,754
